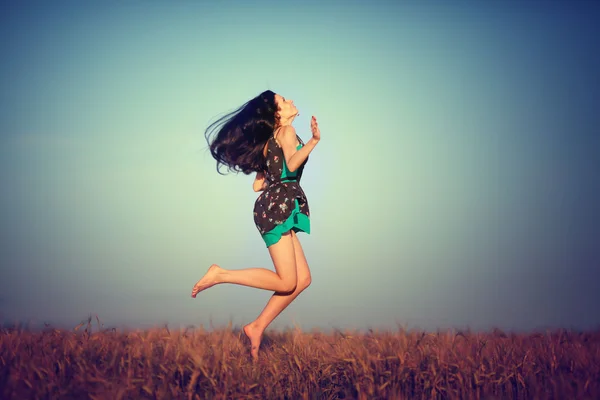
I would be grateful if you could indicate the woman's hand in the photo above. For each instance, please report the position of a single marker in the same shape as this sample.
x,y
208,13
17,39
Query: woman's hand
x,y
314,127
260,182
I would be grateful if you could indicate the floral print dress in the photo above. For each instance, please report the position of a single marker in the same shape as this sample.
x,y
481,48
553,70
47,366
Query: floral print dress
x,y
283,206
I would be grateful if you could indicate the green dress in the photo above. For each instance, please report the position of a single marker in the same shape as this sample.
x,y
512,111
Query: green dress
x,y
283,206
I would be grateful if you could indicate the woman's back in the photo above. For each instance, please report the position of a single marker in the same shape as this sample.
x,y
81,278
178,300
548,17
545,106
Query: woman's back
x,y
276,167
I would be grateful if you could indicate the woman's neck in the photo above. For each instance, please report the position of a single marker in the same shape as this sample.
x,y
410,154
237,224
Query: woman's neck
x,y
287,121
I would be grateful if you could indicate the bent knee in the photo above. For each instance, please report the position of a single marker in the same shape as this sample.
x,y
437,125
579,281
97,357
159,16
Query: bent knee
x,y
288,286
304,282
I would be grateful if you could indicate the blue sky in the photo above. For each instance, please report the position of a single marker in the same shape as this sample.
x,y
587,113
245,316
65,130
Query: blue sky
x,y
455,183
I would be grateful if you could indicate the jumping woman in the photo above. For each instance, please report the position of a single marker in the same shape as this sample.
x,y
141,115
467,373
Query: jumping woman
x,y
259,137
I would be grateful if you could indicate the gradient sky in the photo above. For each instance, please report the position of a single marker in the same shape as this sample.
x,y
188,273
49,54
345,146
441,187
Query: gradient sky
x,y
456,183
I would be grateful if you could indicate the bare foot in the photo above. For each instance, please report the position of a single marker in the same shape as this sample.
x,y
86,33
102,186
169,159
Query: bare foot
x,y
254,333
208,280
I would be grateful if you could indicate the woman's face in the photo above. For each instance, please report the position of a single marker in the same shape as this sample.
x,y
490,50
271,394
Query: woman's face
x,y
286,107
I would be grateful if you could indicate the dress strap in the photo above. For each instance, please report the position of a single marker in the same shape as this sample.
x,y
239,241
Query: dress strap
x,y
275,139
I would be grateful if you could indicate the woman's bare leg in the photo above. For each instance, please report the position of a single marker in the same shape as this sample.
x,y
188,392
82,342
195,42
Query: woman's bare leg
x,y
279,301
284,280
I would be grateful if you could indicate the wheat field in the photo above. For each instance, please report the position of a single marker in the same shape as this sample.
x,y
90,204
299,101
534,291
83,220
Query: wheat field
x,y
90,362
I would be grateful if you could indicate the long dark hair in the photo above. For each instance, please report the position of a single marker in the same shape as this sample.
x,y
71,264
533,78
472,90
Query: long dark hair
x,y
241,135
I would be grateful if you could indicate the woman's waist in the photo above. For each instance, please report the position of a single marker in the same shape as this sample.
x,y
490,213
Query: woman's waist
x,y
285,180
292,187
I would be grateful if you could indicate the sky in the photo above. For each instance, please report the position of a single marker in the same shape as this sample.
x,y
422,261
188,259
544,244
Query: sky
x,y
455,184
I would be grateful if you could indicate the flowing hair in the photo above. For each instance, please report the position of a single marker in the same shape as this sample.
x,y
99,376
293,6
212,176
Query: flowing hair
x,y
237,139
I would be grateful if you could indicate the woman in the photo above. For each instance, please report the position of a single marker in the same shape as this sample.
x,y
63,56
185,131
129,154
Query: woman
x,y
259,137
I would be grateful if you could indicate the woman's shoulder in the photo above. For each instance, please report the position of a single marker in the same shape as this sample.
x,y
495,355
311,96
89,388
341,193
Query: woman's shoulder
x,y
286,134
285,131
